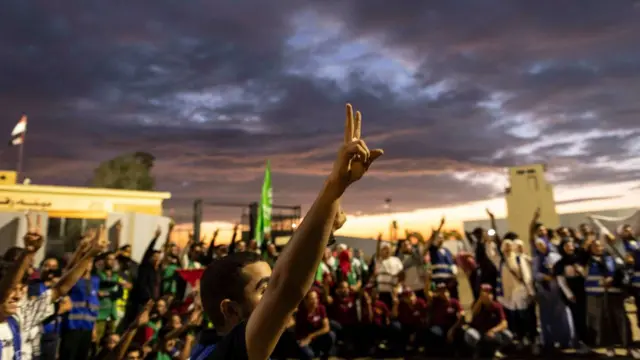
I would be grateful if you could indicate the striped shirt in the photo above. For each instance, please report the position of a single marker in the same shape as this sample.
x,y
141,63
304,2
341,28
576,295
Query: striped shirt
x,y
31,312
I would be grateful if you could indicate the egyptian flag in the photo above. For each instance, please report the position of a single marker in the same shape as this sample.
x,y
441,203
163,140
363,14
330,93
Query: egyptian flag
x,y
17,135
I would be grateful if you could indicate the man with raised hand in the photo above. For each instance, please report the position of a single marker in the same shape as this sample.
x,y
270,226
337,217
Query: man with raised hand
x,y
20,314
250,305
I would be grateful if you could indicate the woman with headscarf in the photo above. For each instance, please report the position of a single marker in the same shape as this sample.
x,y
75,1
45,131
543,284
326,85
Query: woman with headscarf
x,y
570,274
514,288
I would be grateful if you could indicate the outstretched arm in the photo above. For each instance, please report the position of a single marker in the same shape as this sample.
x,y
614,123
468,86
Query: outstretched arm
x,y
293,273
32,242
532,229
99,244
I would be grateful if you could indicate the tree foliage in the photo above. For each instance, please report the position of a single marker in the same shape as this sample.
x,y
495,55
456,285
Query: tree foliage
x,y
128,171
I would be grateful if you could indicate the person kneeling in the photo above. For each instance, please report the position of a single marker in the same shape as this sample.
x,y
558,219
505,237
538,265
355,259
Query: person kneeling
x,y
312,327
446,318
488,333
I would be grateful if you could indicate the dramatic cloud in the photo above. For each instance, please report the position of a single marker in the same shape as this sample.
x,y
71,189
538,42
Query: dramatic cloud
x,y
454,91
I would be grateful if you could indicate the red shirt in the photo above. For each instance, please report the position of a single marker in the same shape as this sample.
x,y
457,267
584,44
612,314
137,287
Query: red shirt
x,y
308,322
488,317
343,310
380,313
444,313
412,313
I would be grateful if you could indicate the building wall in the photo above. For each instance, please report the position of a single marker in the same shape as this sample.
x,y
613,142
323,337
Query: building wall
x,y
75,202
528,191
65,208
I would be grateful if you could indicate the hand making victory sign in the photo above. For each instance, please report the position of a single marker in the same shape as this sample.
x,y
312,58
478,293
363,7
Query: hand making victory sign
x,y
33,239
354,157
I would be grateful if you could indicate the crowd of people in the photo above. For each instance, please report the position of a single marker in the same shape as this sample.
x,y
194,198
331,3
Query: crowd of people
x,y
316,300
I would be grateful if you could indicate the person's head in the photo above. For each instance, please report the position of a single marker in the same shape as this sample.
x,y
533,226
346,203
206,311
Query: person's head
x,y
176,321
518,246
479,234
109,261
486,294
271,249
541,230
327,254
166,345
568,247
585,229
222,251
156,258
49,269
134,353
596,248
174,249
627,232
563,232
541,246
241,246
438,240
253,245
407,247
409,297
507,247
50,264
342,290
196,251
385,250
13,253
112,341
441,291
125,250
311,300
161,307
237,283
16,294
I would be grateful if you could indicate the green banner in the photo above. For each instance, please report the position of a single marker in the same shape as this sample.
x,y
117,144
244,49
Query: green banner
x,y
263,220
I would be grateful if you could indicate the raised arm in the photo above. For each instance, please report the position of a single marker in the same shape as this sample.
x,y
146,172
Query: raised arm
x,y
120,351
532,229
293,272
232,246
71,277
435,233
494,226
32,242
148,254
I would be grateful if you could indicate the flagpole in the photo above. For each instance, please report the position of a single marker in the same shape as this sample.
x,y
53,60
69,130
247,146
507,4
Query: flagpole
x,y
20,156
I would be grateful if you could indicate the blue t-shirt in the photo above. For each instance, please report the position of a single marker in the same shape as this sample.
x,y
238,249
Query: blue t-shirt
x,y
232,346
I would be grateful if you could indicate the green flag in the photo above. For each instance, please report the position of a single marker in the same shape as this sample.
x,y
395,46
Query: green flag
x,y
263,221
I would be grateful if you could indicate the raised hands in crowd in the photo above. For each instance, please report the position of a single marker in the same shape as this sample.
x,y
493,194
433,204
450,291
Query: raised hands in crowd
x,y
251,300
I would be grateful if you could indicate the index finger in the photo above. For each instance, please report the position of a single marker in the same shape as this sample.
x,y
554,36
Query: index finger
x,y
27,215
348,126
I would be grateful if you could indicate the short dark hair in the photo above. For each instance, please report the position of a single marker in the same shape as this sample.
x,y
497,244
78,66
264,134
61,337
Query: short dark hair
x,y
134,348
223,279
7,267
13,253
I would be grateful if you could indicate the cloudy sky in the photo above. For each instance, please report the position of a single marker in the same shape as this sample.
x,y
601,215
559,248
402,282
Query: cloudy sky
x,y
454,91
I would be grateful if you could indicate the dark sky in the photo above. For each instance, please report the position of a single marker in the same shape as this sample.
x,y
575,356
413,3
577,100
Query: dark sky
x,y
453,90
